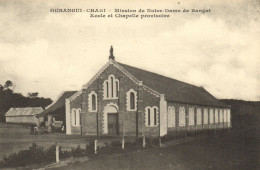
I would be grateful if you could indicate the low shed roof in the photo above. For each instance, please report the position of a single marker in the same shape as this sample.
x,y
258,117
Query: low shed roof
x,y
25,111
60,102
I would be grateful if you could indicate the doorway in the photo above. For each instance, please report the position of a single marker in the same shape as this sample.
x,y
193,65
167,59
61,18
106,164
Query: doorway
x,y
112,119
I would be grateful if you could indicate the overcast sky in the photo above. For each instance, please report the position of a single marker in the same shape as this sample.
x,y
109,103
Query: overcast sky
x,y
51,52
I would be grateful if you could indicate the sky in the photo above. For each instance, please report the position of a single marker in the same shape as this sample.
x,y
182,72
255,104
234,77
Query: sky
x,y
49,52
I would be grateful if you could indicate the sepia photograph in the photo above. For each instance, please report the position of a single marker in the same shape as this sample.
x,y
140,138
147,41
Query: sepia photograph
x,y
149,84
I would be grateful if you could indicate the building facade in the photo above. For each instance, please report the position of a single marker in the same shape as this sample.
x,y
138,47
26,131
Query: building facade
x,y
128,101
24,115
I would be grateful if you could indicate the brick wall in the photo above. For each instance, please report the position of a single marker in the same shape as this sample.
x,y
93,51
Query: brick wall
x,y
131,123
150,100
127,120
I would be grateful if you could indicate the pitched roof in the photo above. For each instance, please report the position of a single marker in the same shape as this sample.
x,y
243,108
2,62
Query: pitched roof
x,y
25,111
60,102
174,90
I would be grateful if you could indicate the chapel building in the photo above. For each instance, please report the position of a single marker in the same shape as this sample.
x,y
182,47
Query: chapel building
x,y
128,101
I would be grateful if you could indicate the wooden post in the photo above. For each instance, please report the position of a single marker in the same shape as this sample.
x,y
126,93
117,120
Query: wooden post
x,y
95,147
160,141
57,154
143,141
123,143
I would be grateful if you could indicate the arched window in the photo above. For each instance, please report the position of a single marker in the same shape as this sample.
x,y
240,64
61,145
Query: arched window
x,y
216,115
112,87
211,116
131,100
191,116
228,116
107,88
182,121
220,116
225,115
117,88
154,116
171,117
199,117
75,117
149,116
93,102
206,117
78,117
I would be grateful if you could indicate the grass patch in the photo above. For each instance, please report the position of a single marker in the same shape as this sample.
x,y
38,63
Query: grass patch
x,y
38,155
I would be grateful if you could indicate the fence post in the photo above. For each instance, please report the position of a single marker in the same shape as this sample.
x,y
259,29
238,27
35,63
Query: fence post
x,y
143,141
95,147
160,141
123,143
57,154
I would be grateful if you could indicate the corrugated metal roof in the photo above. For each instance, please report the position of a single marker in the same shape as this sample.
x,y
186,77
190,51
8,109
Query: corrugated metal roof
x,y
58,104
25,111
174,90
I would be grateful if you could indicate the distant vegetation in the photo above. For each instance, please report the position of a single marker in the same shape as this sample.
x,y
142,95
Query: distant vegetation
x,y
8,99
245,114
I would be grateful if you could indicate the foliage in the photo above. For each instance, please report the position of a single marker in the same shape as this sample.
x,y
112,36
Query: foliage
x,y
33,95
8,84
37,155
34,154
10,99
243,113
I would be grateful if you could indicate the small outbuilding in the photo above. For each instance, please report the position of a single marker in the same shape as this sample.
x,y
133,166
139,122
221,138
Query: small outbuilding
x,y
55,112
27,115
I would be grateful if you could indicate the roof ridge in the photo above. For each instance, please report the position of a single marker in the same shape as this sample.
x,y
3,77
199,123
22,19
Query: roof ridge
x,y
161,75
212,95
27,107
59,96
173,89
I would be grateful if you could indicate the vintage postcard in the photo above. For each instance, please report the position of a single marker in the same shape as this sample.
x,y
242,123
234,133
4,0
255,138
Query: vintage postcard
x,y
171,84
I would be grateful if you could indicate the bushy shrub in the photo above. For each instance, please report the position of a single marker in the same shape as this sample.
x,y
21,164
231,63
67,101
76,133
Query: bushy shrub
x,y
90,149
78,152
35,154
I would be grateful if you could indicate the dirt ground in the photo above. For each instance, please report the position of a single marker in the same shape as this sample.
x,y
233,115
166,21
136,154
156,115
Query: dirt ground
x,y
17,137
214,152
234,150
14,137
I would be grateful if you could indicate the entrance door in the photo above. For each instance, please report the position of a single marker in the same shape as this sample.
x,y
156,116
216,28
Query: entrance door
x,y
112,123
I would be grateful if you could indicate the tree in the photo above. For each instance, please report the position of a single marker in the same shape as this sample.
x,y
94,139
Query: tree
x,y
1,88
9,99
33,95
8,84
